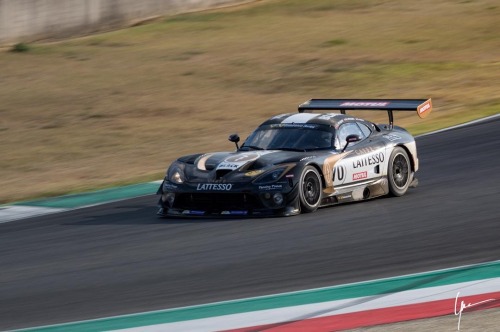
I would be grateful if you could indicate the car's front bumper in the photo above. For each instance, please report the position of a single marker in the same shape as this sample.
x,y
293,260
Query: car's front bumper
x,y
197,200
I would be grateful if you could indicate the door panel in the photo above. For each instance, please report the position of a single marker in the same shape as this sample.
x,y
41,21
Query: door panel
x,y
366,160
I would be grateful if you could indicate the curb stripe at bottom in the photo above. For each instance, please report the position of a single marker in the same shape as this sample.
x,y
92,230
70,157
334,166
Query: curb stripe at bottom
x,y
381,316
338,308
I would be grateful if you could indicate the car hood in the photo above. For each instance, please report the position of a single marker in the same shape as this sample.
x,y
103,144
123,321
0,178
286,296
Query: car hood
x,y
248,160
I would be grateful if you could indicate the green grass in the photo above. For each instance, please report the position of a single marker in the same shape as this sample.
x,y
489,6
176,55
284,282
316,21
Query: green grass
x,y
117,107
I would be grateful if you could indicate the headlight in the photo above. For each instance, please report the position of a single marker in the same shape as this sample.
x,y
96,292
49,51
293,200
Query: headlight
x,y
271,176
175,173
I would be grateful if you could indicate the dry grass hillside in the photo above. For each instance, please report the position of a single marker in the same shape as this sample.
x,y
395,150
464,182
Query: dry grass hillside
x,y
116,108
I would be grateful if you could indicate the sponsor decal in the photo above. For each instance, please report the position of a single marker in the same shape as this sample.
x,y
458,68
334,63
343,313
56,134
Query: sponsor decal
x,y
271,187
360,176
344,197
365,104
424,109
374,159
196,212
289,176
224,165
235,213
214,186
294,125
392,137
169,186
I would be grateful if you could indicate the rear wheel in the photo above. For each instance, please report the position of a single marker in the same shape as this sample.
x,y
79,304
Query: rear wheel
x,y
310,189
399,172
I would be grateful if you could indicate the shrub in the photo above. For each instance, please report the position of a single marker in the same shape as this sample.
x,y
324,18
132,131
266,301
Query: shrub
x,y
20,48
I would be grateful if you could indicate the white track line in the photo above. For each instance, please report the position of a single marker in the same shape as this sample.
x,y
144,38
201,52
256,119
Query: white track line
x,y
16,212
460,125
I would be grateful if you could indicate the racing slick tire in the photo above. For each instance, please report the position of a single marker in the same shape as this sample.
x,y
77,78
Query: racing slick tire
x,y
399,172
310,189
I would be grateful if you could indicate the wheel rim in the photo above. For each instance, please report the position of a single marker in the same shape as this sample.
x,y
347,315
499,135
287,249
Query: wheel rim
x,y
400,171
310,188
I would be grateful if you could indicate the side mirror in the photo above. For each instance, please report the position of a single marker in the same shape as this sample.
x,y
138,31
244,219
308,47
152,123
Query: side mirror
x,y
351,139
235,138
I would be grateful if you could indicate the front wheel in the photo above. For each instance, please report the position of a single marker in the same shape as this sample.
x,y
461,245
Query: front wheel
x,y
399,172
310,189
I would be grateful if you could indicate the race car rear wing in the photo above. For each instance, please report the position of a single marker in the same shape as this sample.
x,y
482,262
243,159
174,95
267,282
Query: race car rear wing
x,y
422,106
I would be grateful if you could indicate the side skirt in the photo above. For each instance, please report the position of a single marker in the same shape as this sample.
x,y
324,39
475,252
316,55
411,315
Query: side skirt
x,y
353,193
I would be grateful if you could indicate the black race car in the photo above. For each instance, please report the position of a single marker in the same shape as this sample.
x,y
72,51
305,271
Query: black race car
x,y
298,162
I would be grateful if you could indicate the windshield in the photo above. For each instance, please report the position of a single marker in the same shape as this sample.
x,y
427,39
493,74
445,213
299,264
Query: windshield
x,y
295,137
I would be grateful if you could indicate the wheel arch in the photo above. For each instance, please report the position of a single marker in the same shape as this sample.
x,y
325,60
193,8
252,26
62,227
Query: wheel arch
x,y
320,171
410,155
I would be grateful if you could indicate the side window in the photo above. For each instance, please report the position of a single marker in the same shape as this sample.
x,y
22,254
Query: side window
x,y
365,129
350,128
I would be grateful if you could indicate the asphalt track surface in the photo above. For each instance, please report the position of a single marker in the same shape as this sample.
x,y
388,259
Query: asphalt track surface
x,y
120,258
